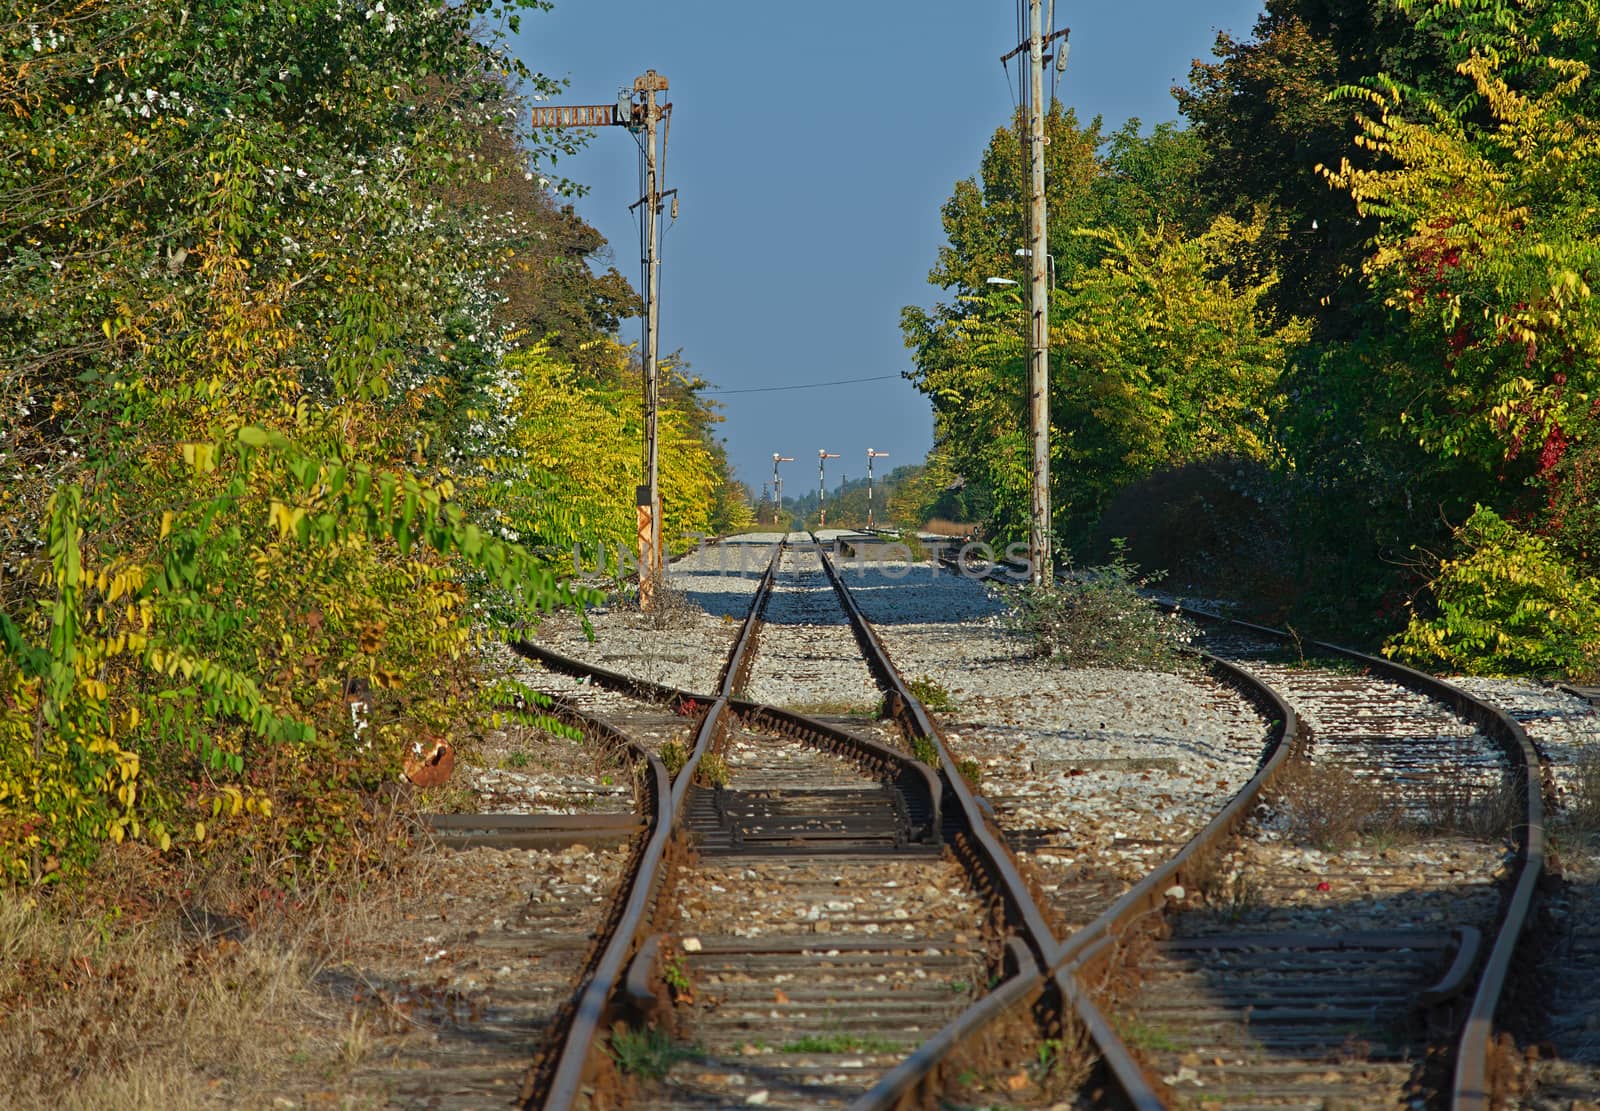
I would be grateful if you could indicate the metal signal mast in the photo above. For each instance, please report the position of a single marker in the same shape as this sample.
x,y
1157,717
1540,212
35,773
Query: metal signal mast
x,y
638,110
823,455
871,455
777,485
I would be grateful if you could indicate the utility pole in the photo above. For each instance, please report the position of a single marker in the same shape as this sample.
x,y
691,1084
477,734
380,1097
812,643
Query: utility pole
x,y
823,455
1039,538
871,455
649,115
650,84
777,485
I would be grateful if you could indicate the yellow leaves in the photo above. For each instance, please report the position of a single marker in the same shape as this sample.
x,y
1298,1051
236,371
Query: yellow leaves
x,y
285,519
199,831
166,524
370,640
202,458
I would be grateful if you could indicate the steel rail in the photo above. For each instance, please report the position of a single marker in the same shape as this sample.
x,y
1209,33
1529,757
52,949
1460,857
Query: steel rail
x,y
906,1082
916,722
1471,1089
642,689
1090,946
565,1068
575,1061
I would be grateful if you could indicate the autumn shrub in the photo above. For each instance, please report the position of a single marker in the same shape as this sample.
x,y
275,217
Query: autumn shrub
x,y
1098,617
1507,604
1326,806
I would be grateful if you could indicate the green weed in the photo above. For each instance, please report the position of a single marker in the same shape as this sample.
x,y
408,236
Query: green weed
x,y
648,1053
842,1043
932,694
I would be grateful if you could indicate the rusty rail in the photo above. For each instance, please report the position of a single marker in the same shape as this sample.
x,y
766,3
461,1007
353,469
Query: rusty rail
x,y
1470,1084
1089,946
565,1069
575,1060
916,722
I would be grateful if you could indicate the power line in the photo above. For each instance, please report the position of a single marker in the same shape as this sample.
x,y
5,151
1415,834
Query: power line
x,y
803,385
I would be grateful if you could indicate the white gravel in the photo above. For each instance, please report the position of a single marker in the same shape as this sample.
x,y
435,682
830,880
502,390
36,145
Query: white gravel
x,y
1563,727
806,656
686,644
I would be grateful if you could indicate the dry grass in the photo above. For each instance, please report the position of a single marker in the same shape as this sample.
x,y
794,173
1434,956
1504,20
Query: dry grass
x,y
1583,797
1472,811
110,998
1325,807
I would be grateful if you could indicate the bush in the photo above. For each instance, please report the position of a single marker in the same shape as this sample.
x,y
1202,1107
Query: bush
x,y
1508,605
1097,617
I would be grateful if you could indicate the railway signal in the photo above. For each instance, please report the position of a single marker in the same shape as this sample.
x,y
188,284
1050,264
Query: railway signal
x,y
638,110
871,455
777,486
823,455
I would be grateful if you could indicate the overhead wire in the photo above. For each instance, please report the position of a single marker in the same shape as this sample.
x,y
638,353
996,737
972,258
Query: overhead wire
x,y
801,385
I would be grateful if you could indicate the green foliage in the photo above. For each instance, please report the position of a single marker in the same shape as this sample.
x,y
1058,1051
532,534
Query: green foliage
x,y
1508,604
1155,360
531,486
1097,617
674,755
932,694
647,1053
252,322
924,749
842,1043
1489,228
713,771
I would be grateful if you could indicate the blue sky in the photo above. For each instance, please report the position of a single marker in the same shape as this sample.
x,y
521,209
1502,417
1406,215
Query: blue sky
x,y
813,145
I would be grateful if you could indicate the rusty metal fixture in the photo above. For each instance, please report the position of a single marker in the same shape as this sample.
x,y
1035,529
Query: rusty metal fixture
x,y
430,763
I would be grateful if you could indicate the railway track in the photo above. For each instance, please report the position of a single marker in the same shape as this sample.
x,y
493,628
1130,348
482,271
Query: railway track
x,y
831,935
1241,996
1300,978
1294,974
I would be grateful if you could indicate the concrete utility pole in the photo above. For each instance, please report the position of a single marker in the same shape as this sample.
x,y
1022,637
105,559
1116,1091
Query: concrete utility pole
x,y
823,454
650,535
777,485
649,115
1039,546
871,455
1039,538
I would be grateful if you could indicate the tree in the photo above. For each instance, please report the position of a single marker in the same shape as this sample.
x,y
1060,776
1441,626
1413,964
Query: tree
x,y
1486,246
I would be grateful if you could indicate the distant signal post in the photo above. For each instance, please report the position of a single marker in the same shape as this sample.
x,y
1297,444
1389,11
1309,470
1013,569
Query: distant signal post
x,y
823,455
777,486
638,110
871,455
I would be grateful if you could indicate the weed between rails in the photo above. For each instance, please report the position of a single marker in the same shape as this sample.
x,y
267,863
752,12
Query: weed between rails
x,y
648,1053
1098,617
